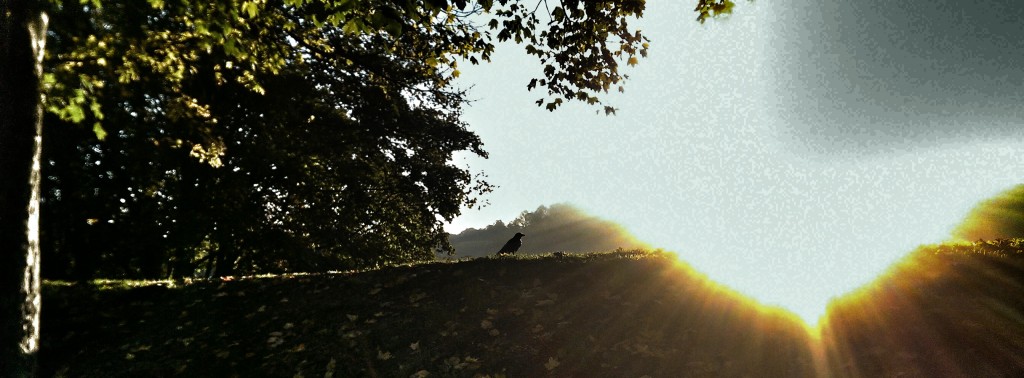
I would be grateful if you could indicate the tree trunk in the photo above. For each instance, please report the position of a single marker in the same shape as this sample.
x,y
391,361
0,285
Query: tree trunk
x,y
22,36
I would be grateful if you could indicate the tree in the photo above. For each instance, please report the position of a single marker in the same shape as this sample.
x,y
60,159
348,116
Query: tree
x,y
22,38
579,59
344,155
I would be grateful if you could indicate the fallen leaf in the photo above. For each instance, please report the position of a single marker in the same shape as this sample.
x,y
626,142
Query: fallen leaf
x,y
415,346
352,317
420,374
140,348
383,356
330,368
546,302
416,297
551,364
486,324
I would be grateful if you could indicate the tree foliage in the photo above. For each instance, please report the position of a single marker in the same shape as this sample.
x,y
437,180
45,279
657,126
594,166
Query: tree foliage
x,y
279,135
338,156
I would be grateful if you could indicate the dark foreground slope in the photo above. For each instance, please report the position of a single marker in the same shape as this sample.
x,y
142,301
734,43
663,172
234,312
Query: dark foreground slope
x,y
951,310
619,314
608,315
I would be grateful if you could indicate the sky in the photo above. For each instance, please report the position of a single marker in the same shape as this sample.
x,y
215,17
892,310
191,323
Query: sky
x,y
791,151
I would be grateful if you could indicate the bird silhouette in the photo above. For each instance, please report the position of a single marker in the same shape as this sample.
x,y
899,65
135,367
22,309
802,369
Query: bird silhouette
x,y
512,245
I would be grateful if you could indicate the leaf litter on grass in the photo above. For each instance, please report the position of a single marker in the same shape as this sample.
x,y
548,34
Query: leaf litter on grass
x,y
617,314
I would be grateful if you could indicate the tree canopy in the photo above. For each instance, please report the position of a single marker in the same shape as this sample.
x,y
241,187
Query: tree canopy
x,y
283,135
257,135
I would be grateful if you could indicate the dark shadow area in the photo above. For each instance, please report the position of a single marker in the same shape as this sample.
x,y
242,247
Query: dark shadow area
x,y
621,314
948,310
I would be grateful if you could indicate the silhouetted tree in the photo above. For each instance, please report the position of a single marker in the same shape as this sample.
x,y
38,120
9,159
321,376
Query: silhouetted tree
x,y
559,227
321,169
118,62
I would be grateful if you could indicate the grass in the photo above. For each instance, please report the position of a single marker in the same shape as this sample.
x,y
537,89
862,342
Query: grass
x,y
620,314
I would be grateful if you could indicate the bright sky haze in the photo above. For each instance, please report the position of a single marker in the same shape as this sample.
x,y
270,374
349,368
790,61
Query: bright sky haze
x,y
791,151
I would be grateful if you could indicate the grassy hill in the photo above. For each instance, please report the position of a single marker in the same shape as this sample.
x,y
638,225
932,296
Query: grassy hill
x,y
946,310
620,314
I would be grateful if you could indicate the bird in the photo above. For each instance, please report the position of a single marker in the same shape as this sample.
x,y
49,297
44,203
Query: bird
x,y
513,244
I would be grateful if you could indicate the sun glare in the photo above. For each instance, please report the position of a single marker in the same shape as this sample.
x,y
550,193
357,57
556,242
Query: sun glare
x,y
807,310
796,251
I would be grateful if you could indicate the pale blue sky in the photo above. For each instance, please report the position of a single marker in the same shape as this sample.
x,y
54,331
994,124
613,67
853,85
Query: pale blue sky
x,y
790,151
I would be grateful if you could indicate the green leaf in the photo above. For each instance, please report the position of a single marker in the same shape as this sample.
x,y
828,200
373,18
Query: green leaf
x,y
231,48
95,3
558,14
49,79
251,8
74,113
351,27
97,111
393,27
98,130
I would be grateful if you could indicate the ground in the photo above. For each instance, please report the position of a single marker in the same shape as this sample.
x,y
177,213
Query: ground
x,y
619,314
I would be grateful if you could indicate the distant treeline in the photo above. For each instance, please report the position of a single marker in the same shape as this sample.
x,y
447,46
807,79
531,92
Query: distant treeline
x,y
559,227
1005,248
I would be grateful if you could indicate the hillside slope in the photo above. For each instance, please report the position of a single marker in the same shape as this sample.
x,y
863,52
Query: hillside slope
x,y
947,310
625,314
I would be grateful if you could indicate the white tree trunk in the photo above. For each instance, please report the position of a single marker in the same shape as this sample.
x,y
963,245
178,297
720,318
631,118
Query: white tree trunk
x,y
22,40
